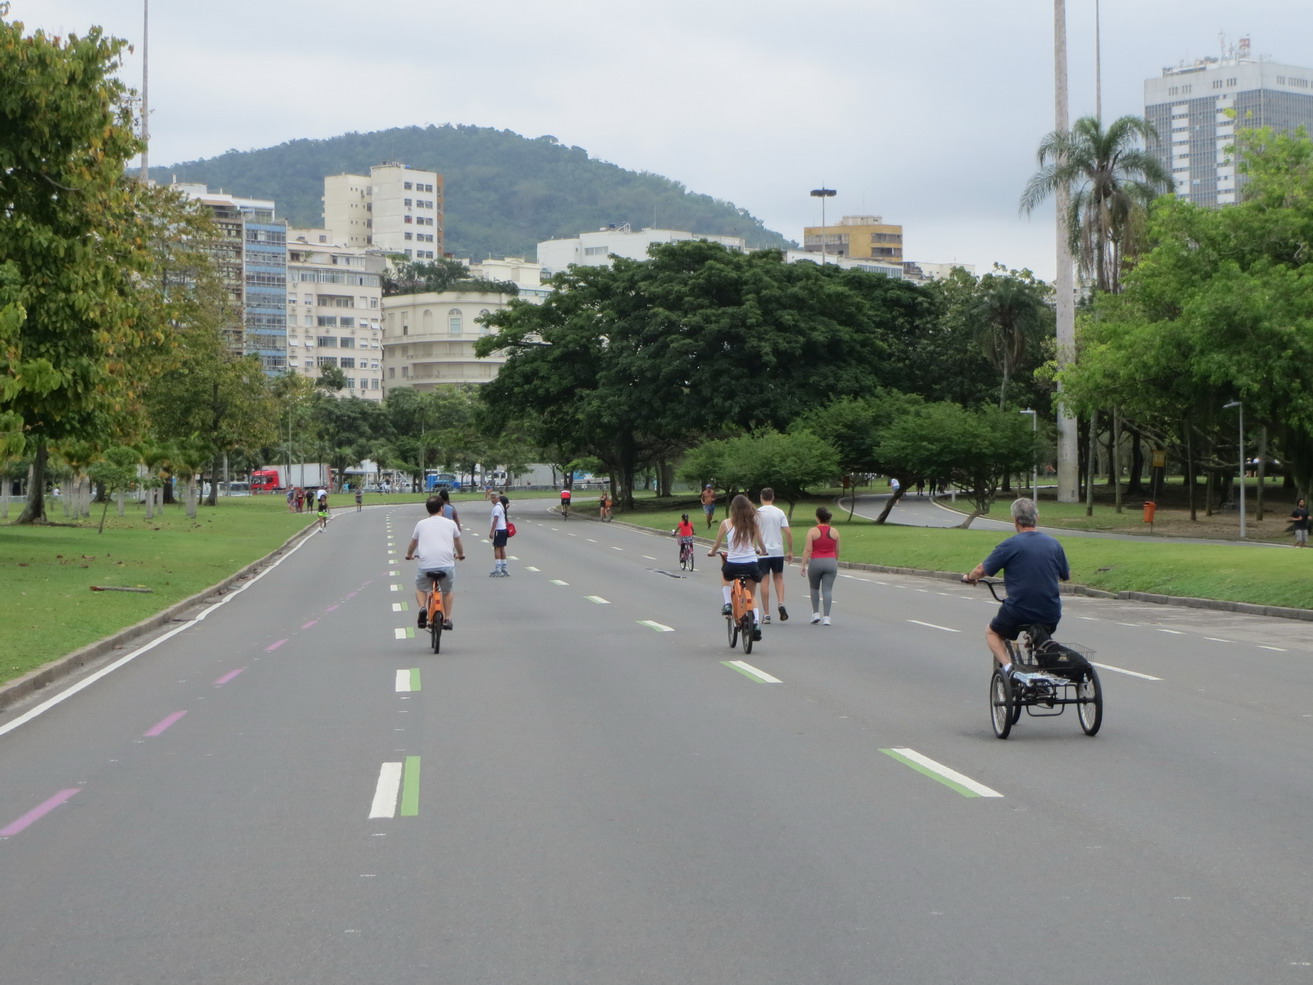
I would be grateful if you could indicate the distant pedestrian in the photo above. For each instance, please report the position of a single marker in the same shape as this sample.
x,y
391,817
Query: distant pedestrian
x,y
1300,515
777,538
894,485
300,499
709,503
448,510
498,535
820,565
360,498
291,500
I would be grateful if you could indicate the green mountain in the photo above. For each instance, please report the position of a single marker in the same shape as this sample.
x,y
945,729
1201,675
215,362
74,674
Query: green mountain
x,y
504,192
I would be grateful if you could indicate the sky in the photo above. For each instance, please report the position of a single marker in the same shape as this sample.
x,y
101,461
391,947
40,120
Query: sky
x,y
924,112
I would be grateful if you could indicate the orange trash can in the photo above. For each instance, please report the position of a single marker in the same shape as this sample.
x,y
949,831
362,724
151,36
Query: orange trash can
x,y
1149,509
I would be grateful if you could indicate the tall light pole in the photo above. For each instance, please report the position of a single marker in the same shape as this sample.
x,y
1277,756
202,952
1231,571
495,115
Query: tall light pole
x,y
1241,405
1064,282
823,194
1034,465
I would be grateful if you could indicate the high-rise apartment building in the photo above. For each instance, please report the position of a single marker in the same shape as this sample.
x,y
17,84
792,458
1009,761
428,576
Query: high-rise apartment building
x,y
1198,107
251,257
335,311
395,209
861,237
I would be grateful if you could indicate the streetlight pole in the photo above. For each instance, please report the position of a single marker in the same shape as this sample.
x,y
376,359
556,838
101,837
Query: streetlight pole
x,y
823,194
1240,404
1034,465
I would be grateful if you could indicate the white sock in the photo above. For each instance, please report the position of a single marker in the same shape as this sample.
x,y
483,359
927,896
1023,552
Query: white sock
x,y
724,590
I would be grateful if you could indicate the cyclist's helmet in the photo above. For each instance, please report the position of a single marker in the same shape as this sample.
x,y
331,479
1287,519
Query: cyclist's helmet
x,y
683,516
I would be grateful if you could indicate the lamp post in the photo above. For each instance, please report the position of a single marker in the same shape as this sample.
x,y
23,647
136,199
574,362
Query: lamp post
x,y
1034,466
823,194
1240,404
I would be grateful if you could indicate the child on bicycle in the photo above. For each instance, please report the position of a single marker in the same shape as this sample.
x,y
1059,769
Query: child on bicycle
x,y
604,506
685,533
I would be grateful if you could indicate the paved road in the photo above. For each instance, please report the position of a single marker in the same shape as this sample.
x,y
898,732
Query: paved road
x,y
585,792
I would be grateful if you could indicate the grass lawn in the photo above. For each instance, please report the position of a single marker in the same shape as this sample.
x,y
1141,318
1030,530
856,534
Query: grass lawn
x,y
1158,564
47,608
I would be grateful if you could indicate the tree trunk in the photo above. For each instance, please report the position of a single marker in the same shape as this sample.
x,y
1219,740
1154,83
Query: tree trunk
x,y
1116,459
1262,471
1089,469
1134,480
35,509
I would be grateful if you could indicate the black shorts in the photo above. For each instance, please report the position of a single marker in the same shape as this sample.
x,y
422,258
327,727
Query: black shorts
x,y
771,563
499,538
730,571
1008,623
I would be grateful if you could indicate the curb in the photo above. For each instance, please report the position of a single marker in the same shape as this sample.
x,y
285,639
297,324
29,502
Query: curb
x,y
61,667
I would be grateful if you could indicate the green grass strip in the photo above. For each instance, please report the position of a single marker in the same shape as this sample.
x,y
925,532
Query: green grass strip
x,y
410,787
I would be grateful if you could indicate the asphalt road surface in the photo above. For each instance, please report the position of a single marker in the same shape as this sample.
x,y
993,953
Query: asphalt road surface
x,y
582,788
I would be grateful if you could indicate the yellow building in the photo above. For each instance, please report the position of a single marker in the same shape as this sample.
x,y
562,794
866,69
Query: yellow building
x,y
859,237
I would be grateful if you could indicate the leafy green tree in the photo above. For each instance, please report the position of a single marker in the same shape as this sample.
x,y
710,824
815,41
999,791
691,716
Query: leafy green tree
x,y
77,241
972,449
116,473
1112,180
1012,313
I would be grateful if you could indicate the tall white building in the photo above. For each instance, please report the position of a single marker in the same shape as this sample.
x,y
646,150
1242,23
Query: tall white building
x,y
1198,107
596,248
395,208
335,311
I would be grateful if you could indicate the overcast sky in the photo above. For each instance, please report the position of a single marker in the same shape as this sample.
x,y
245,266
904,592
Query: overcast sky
x,y
925,112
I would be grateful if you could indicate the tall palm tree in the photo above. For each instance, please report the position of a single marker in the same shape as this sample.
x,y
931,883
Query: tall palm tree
x,y
1112,178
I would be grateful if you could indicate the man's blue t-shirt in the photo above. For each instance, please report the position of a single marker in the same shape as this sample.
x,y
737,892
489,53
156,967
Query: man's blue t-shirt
x,y
1032,562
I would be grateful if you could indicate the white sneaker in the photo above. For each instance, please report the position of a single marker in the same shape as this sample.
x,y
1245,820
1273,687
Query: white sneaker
x,y
825,620
816,617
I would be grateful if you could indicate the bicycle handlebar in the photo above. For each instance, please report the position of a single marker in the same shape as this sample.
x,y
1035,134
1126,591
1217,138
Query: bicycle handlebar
x,y
988,583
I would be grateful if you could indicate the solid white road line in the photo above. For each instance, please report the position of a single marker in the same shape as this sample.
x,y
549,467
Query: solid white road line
x,y
1128,673
751,671
938,771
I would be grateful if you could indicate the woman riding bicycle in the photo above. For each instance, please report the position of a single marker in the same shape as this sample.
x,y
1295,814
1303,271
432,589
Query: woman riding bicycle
x,y
684,531
743,545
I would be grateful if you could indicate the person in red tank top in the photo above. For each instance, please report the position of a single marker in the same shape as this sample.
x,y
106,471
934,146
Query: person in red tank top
x,y
820,565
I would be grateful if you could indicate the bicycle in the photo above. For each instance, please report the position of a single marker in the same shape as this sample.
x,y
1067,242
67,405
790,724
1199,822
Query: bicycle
x,y
741,620
565,509
686,554
604,512
1047,675
437,614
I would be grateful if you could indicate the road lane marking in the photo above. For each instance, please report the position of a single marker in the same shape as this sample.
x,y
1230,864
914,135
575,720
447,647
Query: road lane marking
x,y
598,599
386,790
614,548
930,625
228,677
751,672
659,627
37,812
1174,632
274,646
647,557
1216,639
950,778
397,606
529,567
1128,673
408,680
159,727
309,624
1278,649
410,788
557,581
394,588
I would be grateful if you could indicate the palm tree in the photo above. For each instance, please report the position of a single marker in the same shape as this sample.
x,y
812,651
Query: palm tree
x,y
1009,318
1112,178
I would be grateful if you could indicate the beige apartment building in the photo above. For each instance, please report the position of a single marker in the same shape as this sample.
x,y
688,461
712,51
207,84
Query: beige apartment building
x,y
394,208
428,339
861,237
335,311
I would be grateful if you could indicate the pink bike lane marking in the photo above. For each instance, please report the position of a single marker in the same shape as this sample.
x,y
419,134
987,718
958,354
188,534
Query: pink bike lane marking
x,y
159,727
36,813
228,677
274,646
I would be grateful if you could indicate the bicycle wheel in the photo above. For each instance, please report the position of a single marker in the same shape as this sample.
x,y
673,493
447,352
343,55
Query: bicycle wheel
x,y
435,633
1090,709
1001,705
690,557
733,628
683,560
745,630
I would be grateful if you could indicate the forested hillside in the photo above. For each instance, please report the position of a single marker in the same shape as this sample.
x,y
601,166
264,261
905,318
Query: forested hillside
x,y
505,192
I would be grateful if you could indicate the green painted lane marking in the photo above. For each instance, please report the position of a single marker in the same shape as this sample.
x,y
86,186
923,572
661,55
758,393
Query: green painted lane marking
x,y
410,787
414,678
950,778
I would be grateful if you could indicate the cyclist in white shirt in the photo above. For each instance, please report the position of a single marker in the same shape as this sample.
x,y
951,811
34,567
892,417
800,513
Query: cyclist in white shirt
x,y
436,542
777,538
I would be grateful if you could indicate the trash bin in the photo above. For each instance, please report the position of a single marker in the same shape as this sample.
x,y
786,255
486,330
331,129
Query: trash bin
x,y
1149,509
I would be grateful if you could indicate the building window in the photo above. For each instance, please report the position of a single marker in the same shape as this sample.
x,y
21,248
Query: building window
x,y
454,320
327,341
347,362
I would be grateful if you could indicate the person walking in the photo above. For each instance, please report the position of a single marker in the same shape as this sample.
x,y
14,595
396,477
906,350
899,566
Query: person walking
x,y
1300,515
820,565
448,510
777,538
323,509
497,534
360,499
